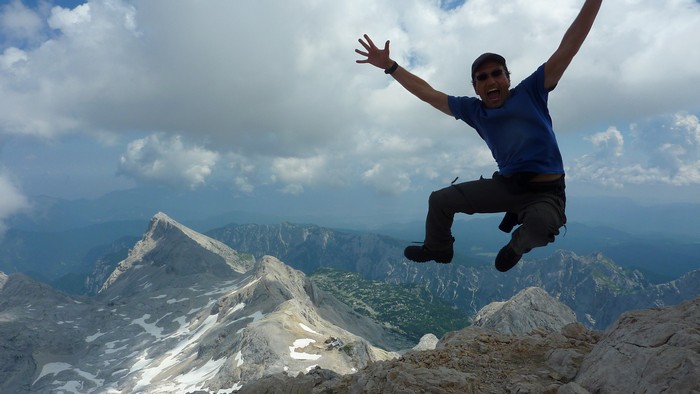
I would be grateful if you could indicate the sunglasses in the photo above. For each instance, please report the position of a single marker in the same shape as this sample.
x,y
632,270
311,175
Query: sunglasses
x,y
495,74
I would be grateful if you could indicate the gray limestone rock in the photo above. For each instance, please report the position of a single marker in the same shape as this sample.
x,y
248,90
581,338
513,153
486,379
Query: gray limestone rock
x,y
653,350
427,342
531,309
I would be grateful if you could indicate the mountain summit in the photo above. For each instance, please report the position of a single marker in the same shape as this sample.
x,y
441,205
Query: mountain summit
x,y
529,310
176,250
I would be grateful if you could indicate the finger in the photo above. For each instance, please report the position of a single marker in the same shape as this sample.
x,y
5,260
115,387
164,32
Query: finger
x,y
361,53
369,41
386,45
363,44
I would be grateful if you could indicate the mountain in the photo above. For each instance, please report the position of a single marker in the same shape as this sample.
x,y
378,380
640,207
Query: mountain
x,y
529,310
645,351
310,247
55,241
182,312
596,288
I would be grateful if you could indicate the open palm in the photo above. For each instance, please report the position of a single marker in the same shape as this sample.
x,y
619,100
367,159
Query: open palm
x,y
374,56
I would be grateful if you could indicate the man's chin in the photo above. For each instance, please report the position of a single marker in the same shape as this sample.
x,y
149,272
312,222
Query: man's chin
x,y
493,103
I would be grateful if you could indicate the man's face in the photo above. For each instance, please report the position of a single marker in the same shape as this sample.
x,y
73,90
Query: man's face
x,y
492,84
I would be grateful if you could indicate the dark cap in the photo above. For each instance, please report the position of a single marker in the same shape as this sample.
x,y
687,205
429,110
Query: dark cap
x,y
488,57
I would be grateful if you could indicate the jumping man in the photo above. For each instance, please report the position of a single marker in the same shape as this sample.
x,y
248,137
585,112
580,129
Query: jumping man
x,y
515,124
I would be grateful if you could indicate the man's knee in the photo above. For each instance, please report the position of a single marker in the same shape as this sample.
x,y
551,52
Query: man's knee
x,y
438,197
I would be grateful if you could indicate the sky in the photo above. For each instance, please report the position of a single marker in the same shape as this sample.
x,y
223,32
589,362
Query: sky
x,y
266,97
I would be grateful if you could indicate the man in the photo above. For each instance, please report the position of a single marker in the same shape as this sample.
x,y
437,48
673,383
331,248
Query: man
x,y
516,126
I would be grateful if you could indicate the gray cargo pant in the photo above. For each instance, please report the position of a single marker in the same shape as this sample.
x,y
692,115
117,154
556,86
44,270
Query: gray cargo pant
x,y
538,206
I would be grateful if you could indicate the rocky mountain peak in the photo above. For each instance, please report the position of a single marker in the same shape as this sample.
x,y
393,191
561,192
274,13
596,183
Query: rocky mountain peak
x,y
175,250
531,309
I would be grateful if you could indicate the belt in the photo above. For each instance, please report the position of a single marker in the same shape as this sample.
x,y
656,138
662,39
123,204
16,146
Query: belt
x,y
545,177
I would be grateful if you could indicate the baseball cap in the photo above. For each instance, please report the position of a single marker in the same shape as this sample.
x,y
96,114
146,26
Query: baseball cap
x,y
488,57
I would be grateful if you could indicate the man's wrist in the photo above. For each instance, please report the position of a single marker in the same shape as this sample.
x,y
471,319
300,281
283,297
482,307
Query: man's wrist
x,y
391,69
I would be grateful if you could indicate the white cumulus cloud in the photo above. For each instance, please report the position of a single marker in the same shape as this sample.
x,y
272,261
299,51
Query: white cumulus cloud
x,y
163,159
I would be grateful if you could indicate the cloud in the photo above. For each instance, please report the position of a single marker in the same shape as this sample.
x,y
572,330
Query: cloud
x,y
388,179
10,57
160,159
665,153
70,21
12,201
273,88
607,144
599,165
19,24
296,172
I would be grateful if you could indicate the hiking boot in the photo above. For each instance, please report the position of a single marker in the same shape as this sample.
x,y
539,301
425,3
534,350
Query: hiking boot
x,y
421,254
507,258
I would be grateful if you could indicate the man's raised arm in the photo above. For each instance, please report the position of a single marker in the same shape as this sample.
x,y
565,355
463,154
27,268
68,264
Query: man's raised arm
x,y
571,43
414,84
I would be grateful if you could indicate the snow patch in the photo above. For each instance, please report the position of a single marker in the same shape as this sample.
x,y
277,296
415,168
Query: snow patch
x,y
302,343
194,379
307,329
150,328
172,357
173,301
56,368
94,336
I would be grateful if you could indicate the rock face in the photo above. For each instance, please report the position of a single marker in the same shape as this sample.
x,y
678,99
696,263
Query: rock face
x,y
655,350
531,309
427,342
182,312
651,351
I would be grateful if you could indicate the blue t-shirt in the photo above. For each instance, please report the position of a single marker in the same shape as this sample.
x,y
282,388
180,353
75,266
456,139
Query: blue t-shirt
x,y
519,133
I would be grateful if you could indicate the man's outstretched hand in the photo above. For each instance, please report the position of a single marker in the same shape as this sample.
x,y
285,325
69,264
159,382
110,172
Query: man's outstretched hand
x,y
374,56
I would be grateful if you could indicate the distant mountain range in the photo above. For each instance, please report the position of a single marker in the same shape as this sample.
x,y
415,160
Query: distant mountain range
x,y
661,257
59,241
594,286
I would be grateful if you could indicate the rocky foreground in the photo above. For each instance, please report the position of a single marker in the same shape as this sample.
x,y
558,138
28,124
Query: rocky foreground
x,y
650,351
